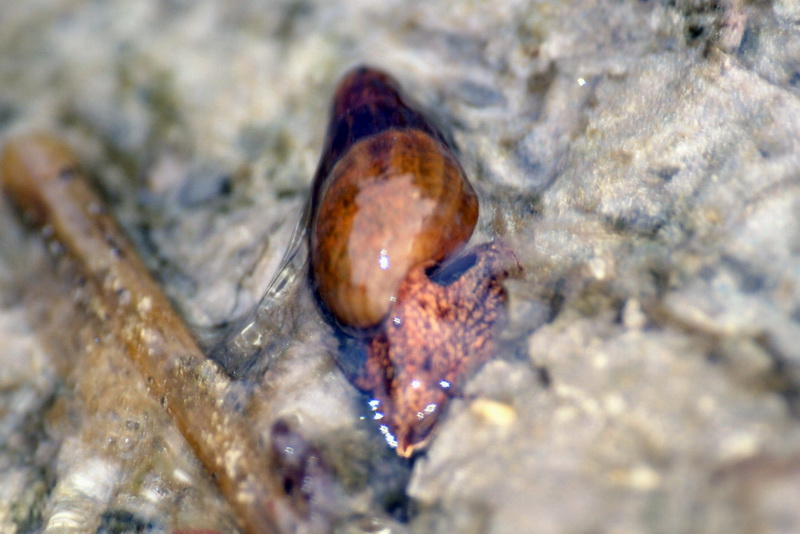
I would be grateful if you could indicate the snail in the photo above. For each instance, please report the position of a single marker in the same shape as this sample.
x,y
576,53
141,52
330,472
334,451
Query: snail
x,y
389,212
390,204
389,194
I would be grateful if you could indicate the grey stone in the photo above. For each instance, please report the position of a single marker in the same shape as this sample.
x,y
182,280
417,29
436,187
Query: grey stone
x,y
643,159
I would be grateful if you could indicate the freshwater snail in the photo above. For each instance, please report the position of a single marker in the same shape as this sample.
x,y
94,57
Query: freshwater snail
x,y
388,195
390,203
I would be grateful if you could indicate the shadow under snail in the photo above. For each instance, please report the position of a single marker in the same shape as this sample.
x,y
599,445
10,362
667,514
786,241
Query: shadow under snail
x,y
390,205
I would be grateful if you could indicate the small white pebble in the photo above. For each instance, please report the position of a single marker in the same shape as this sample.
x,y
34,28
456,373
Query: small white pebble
x,y
497,413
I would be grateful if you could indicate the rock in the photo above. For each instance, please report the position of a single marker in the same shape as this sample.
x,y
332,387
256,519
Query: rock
x,y
640,157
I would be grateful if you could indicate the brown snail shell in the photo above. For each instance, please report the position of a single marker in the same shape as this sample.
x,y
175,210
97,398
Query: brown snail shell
x,y
389,195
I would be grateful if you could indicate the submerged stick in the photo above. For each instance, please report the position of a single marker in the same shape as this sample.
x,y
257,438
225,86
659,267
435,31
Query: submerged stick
x,y
42,177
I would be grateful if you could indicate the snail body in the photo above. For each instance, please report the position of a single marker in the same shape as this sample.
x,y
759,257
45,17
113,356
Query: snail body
x,y
389,195
436,337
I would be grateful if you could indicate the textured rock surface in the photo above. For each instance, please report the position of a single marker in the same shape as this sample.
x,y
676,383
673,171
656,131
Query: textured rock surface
x,y
642,157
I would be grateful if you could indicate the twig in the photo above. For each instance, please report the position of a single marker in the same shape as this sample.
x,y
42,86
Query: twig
x,y
41,175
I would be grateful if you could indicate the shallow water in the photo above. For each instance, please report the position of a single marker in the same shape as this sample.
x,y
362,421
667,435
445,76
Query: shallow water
x,y
640,157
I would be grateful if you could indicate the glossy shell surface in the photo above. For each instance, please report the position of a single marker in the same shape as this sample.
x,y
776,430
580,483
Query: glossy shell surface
x,y
389,195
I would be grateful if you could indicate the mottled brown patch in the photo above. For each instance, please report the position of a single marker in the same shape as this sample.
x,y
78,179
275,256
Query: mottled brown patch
x,y
433,339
